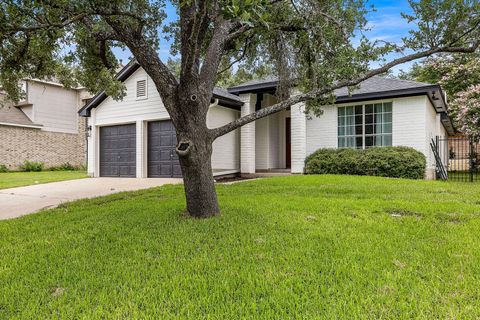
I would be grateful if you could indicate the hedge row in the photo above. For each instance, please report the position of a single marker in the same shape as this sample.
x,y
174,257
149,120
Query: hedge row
x,y
395,162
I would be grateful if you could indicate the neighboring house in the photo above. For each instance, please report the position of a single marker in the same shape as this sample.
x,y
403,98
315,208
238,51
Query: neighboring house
x,y
135,138
44,127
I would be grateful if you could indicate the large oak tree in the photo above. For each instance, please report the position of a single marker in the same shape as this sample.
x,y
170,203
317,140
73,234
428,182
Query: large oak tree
x,y
316,44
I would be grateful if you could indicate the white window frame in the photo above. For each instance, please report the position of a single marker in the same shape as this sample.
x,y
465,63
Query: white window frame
x,y
353,104
146,88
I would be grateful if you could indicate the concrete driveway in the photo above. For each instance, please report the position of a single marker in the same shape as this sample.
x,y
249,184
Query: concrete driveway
x,y
16,202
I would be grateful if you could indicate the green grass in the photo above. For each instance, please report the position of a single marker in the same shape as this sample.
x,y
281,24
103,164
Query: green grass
x,y
18,179
289,247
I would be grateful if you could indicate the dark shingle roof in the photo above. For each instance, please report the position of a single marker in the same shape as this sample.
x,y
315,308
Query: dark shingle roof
x,y
381,84
375,84
221,92
12,115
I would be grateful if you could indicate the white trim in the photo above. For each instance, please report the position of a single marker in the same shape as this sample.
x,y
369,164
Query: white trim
x,y
32,126
222,173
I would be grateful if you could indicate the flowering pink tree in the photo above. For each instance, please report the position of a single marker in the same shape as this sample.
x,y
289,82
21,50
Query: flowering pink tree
x,y
459,76
465,109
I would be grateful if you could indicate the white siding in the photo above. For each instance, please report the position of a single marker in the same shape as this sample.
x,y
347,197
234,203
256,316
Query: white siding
x,y
54,107
130,109
322,131
270,138
262,143
226,149
274,146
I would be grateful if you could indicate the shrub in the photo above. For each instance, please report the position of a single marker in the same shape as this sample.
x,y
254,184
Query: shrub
x,y
3,168
32,166
395,162
67,166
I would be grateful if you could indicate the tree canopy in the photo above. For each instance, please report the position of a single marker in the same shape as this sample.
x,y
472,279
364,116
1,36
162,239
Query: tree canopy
x,y
317,42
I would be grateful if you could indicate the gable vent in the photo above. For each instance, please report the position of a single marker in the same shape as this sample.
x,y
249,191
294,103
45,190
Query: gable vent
x,y
142,88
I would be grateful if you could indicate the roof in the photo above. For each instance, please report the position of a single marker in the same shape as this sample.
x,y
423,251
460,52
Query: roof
x,y
374,84
225,98
11,115
374,88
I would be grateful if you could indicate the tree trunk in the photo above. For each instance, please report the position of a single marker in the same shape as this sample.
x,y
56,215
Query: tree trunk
x,y
195,160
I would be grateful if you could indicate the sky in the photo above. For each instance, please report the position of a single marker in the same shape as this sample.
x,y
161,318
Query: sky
x,y
385,23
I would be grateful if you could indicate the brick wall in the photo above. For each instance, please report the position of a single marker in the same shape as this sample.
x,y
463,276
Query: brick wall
x,y
18,144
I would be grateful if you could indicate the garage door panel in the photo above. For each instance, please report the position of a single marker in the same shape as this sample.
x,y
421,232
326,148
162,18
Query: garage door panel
x,y
177,170
162,158
118,151
165,140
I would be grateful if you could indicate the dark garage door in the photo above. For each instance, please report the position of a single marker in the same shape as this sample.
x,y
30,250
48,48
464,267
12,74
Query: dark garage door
x,y
162,158
117,151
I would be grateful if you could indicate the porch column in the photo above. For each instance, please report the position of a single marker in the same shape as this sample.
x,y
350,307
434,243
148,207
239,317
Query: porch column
x,y
247,135
298,137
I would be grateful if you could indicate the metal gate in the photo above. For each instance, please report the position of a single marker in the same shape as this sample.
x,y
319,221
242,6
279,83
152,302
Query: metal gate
x,y
457,158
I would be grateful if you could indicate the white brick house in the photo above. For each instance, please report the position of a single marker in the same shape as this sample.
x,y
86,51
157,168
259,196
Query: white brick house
x,y
134,137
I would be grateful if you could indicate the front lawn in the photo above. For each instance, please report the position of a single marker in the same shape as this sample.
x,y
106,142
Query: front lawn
x,y
18,179
329,247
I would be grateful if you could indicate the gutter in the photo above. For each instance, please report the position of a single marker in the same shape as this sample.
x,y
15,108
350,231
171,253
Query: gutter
x,y
32,126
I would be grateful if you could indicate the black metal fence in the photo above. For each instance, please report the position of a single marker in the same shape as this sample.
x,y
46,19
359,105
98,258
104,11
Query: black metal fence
x,y
457,158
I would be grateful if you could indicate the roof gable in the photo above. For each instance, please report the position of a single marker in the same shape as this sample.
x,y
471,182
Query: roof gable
x,y
225,98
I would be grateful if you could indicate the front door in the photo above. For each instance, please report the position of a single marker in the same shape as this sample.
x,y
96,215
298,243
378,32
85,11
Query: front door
x,y
288,146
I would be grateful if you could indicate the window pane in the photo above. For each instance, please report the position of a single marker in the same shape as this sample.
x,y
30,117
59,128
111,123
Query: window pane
x,y
378,108
378,118
378,128
341,121
358,130
378,141
387,107
358,110
369,141
358,119
368,119
369,129
368,108
341,142
341,131
387,128
341,111
387,117
349,111
350,130
359,142
387,140
350,121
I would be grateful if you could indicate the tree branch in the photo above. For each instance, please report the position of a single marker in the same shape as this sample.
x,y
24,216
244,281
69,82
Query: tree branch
x,y
147,57
220,131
